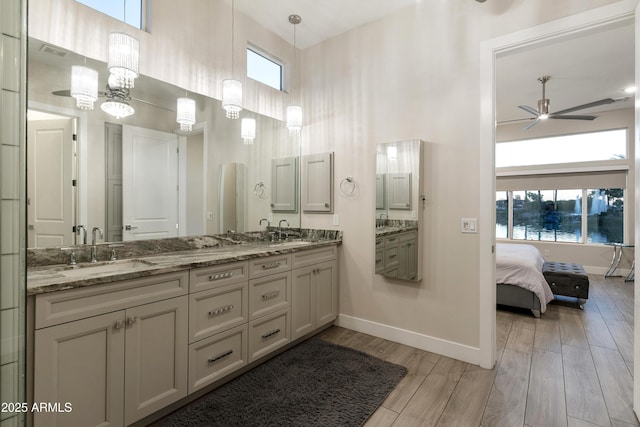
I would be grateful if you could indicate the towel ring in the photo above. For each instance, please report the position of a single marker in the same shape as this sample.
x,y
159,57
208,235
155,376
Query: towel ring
x,y
348,186
258,190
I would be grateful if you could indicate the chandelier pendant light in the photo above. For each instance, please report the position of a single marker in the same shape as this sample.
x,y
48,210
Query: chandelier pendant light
x,y
117,109
294,112
248,130
232,89
124,56
84,86
186,113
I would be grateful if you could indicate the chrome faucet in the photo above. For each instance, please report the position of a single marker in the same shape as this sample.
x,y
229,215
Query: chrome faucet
x,y
280,228
84,233
94,249
265,220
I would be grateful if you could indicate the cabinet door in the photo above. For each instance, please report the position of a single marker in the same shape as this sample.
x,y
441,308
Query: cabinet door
x,y
81,363
303,302
284,180
400,191
317,182
156,356
326,284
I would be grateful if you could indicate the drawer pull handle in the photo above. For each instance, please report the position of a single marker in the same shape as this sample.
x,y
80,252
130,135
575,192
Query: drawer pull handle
x,y
270,265
219,276
220,356
392,256
221,310
270,334
270,295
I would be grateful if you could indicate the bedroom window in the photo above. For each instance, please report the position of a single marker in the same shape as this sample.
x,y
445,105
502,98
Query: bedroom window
x,y
561,215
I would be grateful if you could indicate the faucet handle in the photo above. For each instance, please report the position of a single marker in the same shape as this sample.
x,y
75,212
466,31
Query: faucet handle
x,y
113,247
72,257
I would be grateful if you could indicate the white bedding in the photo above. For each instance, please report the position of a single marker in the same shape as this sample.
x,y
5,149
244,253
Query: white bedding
x,y
521,265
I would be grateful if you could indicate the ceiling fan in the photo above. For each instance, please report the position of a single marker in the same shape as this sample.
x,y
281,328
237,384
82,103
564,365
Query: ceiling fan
x,y
116,92
542,113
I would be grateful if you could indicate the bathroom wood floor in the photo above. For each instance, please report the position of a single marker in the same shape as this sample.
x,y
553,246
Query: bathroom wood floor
x,y
569,368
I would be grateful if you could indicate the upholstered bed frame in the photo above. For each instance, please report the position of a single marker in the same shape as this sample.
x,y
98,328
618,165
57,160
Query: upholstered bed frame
x,y
515,296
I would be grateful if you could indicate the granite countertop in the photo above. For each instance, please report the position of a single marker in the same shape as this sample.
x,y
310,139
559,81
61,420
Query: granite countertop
x,y
51,278
387,230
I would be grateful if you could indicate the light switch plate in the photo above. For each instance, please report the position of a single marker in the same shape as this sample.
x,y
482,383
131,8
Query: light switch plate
x,y
209,216
336,220
469,225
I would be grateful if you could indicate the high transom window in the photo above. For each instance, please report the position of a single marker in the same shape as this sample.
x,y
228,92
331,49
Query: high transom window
x,y
128,11
263,68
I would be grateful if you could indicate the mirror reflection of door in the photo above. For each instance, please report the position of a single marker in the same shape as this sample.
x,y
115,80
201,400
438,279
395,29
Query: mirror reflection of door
x,y
50,177
150,183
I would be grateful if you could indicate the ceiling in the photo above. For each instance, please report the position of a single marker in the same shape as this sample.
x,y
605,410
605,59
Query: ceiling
x,y
583,68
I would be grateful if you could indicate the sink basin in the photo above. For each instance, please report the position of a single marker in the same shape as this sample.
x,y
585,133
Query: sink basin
x,y
108,267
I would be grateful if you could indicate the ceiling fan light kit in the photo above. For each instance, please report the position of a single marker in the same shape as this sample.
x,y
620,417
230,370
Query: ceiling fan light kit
x,y
542,113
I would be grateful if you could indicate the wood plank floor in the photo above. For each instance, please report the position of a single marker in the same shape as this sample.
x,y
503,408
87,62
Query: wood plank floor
x,y
569,368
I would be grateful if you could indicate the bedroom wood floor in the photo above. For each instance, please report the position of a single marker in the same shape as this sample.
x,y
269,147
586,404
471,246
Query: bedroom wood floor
x,y
569,368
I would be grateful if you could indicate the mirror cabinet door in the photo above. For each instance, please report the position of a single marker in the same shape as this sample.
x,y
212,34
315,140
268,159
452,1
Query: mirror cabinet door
x,y
399,167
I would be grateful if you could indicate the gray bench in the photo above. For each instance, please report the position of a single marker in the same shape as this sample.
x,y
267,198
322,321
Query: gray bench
x,y
567,279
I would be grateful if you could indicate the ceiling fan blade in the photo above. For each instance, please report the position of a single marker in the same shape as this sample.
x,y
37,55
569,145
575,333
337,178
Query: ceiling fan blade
x,y
572,117
532,124
588,105
529,109
64,92
152,104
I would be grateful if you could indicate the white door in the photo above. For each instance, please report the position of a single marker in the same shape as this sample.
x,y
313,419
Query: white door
x,y
149,183
49,183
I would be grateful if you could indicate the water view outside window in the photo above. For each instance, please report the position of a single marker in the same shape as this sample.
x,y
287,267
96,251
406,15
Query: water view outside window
x,y
605,213
502,214
558,215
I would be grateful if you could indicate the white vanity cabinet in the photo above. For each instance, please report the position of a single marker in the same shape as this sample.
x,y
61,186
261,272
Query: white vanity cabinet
x,y
397,255
314,297
116,352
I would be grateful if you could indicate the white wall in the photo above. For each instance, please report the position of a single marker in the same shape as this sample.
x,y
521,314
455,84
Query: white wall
x,y
413,74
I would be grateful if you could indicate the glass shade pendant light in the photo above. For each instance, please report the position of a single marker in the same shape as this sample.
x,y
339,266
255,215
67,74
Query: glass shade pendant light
x,y
118,109
248,130
294,112
84,86
186,114
232,89
124,55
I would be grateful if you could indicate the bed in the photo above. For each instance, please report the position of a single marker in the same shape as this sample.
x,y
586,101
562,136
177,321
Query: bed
x,y
519,279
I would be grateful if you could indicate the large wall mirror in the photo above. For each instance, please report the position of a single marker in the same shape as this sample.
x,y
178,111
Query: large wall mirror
x,y
108,176
398,209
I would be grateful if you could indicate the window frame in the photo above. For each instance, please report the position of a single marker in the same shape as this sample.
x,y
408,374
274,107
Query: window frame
x,y
271,58
144,14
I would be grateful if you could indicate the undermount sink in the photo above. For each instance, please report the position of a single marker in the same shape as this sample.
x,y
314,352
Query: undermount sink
x,y
119,266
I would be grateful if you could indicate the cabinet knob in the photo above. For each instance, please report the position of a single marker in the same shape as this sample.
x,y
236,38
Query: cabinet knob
x,y
131,320
326,205
118,325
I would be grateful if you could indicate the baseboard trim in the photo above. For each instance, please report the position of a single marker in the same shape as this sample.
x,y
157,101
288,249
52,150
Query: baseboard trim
x,y
451,349
620,272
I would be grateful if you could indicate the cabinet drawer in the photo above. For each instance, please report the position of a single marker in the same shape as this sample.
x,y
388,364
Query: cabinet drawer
x,y
268,333
379,261
217,309
219,275
264,266
390,257
314,256
391,240
405,237
65,306
269,294
217,356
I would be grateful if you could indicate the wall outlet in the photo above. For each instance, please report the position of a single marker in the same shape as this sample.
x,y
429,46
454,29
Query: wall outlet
x,y
469,225
209,216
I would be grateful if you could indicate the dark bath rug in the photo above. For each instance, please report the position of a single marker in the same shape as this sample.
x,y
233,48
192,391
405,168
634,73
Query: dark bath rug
x,y
313,384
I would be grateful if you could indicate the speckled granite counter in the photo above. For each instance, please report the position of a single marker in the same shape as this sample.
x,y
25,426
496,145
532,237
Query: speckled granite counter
x,y
386,231
141,259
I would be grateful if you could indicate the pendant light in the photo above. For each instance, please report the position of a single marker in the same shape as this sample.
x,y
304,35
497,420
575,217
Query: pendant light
x,y
232,89
124,56
84,86
294,112
248,130
186,113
